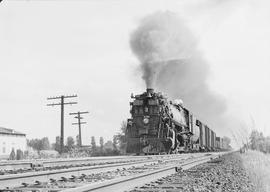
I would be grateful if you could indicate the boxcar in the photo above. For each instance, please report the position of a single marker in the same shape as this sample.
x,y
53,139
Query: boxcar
x,y
212,139
195,130
207,137
218,143
202,135
221,144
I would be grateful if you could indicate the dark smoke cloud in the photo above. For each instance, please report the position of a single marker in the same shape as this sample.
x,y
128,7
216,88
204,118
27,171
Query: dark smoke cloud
x,y
186,79
160,36
171,63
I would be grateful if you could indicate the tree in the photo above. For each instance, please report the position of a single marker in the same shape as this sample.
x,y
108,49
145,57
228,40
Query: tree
x,y
45,144
39,144
77,140
12,155
35,144
70,143
108,145
120,138
19,154
101,143
254,140
57,146
108,148
267,143
226,142
93,144
115,143
259,142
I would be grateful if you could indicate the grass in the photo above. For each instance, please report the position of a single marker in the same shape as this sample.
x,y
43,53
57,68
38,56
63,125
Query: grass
x,y
257,165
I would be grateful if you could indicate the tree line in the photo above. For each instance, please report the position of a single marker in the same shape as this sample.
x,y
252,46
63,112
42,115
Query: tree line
x,y
94,149
116,146
259,142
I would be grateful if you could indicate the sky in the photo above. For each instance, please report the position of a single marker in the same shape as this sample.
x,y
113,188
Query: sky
x,y
50,48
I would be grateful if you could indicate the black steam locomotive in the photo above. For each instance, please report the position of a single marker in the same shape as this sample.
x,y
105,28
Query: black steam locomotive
x,y
158,125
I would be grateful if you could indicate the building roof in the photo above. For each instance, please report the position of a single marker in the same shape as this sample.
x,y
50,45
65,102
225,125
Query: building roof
x,y
6,131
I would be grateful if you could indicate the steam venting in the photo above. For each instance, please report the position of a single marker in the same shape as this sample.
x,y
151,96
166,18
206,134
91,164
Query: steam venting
x,y
171,62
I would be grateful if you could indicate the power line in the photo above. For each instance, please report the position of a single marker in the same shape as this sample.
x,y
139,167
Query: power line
x,y
62,104
79,123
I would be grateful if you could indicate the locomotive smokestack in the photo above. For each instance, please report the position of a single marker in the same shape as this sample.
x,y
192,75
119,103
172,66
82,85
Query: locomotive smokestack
x,y
149,92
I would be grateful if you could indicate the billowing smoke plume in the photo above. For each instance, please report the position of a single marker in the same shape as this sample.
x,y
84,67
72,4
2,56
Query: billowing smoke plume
x,y
171,63
160,37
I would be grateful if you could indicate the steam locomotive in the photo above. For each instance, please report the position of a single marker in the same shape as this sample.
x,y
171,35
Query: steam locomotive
x,y
160,126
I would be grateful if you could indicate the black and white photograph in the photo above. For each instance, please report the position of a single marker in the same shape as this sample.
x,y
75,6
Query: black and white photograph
x,y
134,96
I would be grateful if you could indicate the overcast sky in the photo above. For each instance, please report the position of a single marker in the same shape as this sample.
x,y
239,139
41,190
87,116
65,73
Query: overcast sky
x,y
49,48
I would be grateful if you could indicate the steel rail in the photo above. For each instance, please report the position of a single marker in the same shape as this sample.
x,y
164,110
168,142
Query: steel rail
x,y
128,183
49,162
17,179
24,164
14,180
20,163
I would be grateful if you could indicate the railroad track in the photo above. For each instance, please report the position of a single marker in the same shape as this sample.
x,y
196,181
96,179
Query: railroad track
x,y
131,182
15,167
24,166
101,178
28,177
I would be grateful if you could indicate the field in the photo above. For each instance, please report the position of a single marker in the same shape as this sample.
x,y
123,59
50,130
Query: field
x,y
257,165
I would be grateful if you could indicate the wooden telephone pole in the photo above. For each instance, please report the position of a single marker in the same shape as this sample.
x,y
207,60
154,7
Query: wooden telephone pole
x,y
79,123
62,103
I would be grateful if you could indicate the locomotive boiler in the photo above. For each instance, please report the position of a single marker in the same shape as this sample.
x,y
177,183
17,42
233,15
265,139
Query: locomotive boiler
x,y
158,125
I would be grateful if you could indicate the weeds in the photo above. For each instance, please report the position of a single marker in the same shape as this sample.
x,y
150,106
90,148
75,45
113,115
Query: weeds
x,y
257,165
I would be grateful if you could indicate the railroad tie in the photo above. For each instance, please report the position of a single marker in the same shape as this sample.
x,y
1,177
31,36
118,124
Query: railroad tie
x,y
25,184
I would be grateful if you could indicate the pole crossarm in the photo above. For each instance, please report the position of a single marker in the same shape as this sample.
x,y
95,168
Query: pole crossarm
x,y
68,103
76,117
80,112
53,104
62,96
78,123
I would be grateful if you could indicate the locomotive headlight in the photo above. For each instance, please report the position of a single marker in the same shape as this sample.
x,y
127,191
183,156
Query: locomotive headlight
x,y
146,120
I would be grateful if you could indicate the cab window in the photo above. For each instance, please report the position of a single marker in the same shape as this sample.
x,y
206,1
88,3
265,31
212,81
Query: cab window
x,y
153,109
141,110
138,110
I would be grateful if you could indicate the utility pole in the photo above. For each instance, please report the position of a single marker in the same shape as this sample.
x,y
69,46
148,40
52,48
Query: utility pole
x,y
79,123
62,103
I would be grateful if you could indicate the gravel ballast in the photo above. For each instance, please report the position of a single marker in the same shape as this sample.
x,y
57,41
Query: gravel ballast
x,y
220,175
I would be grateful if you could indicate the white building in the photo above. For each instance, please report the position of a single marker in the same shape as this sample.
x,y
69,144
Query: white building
x,y
10,139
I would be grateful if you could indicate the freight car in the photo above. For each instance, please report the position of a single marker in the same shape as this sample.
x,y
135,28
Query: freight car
x,y
158,125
